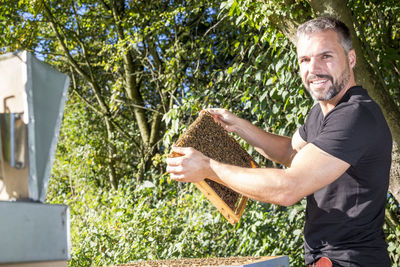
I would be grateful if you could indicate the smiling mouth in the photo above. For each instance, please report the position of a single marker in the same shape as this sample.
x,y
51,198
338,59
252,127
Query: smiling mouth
x,y
319,79
317,82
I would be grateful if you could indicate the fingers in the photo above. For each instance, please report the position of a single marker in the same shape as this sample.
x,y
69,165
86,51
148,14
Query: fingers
x,y
227,119
215,112
182,150
174,170
219,114
176,175
189,166
178,155
174,161
175,164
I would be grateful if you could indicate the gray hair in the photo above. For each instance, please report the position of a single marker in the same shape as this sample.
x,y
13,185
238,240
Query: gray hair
x,y
321,24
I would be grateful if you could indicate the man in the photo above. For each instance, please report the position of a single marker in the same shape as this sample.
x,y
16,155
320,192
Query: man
x,y
339,159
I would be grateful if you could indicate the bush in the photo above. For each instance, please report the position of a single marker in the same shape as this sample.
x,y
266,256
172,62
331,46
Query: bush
x,y
164,220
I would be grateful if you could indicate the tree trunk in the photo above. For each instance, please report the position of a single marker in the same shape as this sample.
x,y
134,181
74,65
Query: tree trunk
x,y
394,186
131,86
114,179
133,92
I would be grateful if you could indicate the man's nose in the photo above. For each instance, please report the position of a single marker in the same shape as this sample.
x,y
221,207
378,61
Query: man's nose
x,y
314,66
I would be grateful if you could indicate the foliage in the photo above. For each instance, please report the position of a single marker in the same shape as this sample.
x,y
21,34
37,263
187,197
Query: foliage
x,y
392,230
125,65
158,220
380,40
140,73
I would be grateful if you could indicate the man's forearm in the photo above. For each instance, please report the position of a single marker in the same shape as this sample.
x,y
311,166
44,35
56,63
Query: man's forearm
x,y
274,147
261,184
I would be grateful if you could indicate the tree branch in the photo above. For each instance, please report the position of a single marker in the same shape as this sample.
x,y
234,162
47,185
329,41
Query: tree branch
x,y
130,82
61,37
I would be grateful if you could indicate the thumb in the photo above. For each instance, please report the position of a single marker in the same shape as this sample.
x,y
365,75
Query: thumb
x,y
178,151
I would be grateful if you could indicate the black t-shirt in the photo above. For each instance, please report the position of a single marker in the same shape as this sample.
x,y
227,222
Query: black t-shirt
x,y
344,219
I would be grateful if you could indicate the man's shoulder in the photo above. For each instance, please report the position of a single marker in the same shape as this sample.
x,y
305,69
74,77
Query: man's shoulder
x,y
359,109
353,116
315,111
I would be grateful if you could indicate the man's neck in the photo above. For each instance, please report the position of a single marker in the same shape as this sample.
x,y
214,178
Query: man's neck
x,y
328,105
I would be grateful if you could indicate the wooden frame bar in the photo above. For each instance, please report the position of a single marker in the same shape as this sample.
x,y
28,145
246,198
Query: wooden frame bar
x,y
209,137
233,216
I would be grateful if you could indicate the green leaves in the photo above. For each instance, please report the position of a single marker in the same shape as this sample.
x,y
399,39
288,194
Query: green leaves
x,y
184,56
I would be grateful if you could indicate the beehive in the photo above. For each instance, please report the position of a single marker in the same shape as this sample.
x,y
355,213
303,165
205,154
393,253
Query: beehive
x,y
262,261
209,137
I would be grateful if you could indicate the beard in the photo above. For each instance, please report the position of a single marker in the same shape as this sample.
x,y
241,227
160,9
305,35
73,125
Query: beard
x,y
336,87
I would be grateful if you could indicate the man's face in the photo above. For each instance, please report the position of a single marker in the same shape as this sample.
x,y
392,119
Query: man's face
x,y
324,65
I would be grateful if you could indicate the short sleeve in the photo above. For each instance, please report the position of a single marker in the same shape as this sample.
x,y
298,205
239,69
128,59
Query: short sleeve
x,y
347,132
303,132
313,118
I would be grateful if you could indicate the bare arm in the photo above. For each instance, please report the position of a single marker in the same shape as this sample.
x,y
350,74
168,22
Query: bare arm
x,y
311,170
277,148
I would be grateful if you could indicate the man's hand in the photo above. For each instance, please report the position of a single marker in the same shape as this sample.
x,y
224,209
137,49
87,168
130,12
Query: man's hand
x,y
192,166
227,119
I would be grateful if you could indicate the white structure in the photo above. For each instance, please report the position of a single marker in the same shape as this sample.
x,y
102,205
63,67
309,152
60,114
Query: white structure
x,y
32,97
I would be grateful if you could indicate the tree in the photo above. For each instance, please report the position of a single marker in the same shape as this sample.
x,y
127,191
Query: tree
x,y
125,64
141,70
375,31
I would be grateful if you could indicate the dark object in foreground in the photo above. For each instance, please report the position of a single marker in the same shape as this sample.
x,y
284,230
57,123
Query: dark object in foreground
x,y
209,137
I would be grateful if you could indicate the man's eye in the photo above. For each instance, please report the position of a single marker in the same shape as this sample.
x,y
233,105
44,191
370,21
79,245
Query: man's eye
x,y
326,56
303,60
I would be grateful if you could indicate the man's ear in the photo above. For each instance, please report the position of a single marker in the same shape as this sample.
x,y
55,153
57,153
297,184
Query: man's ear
x,y
351,55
